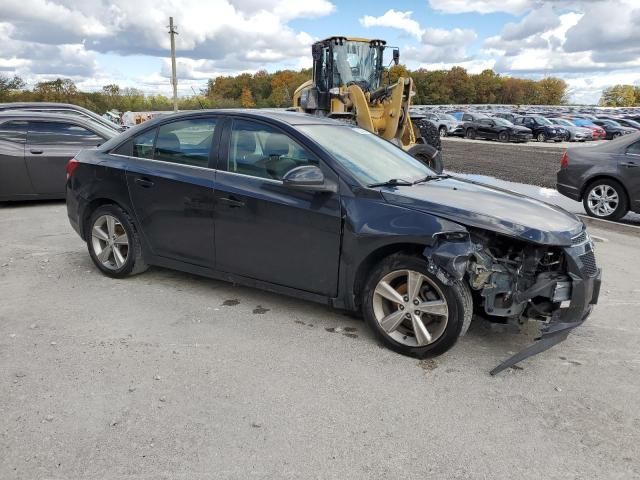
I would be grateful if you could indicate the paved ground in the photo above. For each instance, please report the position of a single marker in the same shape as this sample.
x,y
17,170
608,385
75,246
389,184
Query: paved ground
x,y
170,376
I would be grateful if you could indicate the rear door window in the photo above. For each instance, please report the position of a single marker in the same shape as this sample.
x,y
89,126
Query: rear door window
x,y
186,142
61,133
14,131
634,148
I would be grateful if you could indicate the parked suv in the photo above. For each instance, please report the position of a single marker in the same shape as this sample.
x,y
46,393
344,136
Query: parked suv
x,y
542,128
446,124
329,212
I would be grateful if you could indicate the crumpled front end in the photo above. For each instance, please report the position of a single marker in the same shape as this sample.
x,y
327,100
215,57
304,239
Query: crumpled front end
x,y
515,280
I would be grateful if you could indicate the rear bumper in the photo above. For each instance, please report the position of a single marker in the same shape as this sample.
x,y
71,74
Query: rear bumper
x,y
570,191
585,290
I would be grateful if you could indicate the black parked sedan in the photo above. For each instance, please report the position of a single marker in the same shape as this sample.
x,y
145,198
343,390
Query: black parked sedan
x,y
612,128
542,128
497,129
35,148
605,178
328,212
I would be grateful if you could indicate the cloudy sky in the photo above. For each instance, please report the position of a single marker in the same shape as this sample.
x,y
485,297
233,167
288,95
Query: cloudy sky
x,y
589,43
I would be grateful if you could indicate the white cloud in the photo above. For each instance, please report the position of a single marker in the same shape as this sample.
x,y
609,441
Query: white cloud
x,y
514,7
394,19
442,37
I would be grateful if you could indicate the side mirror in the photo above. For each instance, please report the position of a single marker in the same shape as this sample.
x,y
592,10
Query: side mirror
x,y
309,178
396,56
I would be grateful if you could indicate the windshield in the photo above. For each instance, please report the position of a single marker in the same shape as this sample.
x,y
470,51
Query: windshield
x,y
542,121
356,62
368,157
446,116
561,121
581,122
502,121
611,123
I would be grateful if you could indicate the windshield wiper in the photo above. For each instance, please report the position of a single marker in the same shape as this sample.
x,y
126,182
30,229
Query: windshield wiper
x,y
429,178
391,183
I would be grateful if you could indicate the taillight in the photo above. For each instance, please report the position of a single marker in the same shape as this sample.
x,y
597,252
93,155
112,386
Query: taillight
x,y
564,161
71,167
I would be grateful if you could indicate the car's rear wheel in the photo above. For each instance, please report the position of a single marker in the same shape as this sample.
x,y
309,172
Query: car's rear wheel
x,y
606,199
503,137
541,137
113,242
442,131
411,311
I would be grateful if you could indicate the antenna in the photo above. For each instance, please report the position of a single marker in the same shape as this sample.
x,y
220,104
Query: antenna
x,y
197,98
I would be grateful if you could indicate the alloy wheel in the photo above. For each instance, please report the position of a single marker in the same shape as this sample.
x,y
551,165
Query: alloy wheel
x,y
603,200
110,242
541,137
410,308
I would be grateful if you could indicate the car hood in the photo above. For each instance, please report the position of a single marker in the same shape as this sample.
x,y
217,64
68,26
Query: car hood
x,y
482,206
518,128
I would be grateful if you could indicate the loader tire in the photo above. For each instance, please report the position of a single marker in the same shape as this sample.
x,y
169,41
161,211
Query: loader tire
x,y
429,132
428,155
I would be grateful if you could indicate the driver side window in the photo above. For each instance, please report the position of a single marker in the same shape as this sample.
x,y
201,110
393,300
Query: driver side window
x,y
262,151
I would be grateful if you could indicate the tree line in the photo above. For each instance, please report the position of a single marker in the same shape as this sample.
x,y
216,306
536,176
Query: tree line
x,y
621,96
264,89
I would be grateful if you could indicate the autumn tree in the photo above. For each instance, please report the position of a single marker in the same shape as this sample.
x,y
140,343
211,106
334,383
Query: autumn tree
x,y
246,98
462,88
7,85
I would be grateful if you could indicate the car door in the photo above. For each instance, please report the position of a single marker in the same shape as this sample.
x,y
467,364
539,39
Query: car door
x,y
265,230
50,145
484,128
14,177
629,168
171,182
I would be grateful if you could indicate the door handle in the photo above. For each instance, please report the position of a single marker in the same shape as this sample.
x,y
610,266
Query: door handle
x,y
144,182
36,151
630,164
232,202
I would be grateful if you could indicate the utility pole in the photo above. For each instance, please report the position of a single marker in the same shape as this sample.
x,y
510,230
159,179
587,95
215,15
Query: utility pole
x,y
174,79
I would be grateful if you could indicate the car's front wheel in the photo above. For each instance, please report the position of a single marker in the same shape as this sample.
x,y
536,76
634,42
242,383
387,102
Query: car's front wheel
x,y
606,199
113,242
411,311
443,132
503,137
470,133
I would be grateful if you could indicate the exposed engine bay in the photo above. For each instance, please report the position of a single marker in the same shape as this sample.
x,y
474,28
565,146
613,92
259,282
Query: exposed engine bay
x,y
517,279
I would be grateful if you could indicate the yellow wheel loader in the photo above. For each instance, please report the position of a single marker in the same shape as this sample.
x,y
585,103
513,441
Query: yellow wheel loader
x,y
348,85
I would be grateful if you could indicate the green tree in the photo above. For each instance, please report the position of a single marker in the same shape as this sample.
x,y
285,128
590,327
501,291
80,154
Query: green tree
x,y
551,91
8,85
462,88
619,96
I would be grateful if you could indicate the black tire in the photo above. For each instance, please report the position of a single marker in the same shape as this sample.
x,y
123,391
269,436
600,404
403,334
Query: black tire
x,y
443,132
428,155
623,202
457,295
615,135
470,134
503,137
134,263
429,133
541,137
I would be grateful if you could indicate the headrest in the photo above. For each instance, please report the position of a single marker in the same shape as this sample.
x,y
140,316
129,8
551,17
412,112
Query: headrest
x,y
168,142
276,145
246,141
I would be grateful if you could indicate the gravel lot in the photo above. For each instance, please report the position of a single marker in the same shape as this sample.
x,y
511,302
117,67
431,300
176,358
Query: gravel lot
x,y
171,376
532,163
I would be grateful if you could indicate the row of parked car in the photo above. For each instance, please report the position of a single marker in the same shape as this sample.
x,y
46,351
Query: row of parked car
x,y
514,127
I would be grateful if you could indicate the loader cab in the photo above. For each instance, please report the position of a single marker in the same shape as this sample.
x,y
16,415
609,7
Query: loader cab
x,y
341,61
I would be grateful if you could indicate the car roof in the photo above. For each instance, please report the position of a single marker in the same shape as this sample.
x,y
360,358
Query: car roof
x,y
62,117
284,116
17,105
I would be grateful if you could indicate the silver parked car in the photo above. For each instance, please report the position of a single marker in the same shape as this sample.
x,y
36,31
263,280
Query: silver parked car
x,y
576,134
446,124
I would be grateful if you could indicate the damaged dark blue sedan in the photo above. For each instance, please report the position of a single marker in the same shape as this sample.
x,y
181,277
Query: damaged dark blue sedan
x,y
328,212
